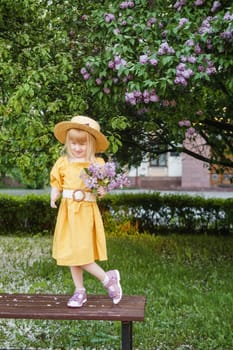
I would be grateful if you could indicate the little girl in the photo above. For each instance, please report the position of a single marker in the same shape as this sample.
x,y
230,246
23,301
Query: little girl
x,y
79,237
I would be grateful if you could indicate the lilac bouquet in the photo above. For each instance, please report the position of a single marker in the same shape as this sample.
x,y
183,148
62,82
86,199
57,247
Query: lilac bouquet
x,y
107,176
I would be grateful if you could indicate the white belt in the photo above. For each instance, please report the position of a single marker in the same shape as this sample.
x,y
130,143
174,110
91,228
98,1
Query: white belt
x,y
79,195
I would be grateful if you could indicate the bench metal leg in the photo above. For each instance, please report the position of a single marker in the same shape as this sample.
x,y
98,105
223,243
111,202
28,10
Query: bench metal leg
x,y
127,335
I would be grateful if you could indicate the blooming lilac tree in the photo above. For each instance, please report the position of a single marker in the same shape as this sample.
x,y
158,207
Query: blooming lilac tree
x,y
162,72
152,72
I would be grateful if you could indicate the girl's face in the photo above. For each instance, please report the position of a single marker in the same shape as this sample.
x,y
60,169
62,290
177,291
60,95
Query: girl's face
x,y
78,144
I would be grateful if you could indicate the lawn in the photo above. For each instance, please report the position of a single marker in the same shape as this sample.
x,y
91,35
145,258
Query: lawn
x,y
187,281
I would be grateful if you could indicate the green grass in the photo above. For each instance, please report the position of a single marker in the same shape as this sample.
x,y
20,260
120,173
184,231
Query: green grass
x,y
187,281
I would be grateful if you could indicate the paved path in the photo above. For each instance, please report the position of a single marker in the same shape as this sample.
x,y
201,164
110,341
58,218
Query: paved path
x,y
23,192
206,194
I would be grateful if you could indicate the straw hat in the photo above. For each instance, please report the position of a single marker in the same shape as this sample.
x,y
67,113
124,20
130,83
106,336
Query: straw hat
x,y
83,123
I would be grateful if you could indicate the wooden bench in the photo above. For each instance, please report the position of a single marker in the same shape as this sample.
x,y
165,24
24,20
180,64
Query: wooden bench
x,y
98,307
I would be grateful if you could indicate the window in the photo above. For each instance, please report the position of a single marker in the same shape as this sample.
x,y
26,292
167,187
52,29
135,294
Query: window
x,y
160,161
174,154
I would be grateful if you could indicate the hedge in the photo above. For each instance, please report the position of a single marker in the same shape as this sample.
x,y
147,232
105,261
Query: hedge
x,y
157,213
148,212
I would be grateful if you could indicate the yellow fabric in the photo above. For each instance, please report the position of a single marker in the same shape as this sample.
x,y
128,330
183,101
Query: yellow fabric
x,y
79,236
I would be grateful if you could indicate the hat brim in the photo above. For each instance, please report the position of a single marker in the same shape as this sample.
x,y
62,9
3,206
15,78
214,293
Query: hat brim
x,y
61,129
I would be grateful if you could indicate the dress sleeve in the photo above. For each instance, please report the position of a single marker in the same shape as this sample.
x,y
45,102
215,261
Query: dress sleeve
x,y
56,174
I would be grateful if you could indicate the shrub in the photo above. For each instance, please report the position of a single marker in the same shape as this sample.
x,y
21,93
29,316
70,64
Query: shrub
x,y
153,213
30,214
156,213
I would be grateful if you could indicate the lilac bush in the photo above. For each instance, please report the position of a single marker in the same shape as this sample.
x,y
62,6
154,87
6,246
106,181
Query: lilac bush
x,y
163,63
156,51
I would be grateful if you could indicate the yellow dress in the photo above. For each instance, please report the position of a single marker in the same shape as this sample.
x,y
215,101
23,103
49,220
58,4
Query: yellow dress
x,y
79,236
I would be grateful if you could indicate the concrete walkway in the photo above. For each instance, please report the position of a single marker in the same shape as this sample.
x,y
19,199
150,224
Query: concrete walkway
x,y
206,194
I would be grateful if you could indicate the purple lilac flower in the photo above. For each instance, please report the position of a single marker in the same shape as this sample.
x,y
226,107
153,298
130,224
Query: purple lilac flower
x,y
143,59
83,71
123,23
110,169
105,175
198,49
116,63
228,16
210,67
137,97
185,123
199,2
154,98
206,26
227,35
164,33
183,59
111,64
165,49
122,62
86,76
146,94
98,81
182,22
191,59
106,91
201,68
179,4
210,70
109,17
179,80
181,67
182,74
215,6
117,59
130,98
189,42
151,21
190,133
130,4
116,31
126,4
153,61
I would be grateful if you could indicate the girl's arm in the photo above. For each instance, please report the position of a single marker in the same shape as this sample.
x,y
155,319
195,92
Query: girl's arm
x,y
54,195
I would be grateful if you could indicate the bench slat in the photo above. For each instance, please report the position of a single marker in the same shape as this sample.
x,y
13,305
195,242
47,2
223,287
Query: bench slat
x,y
53,307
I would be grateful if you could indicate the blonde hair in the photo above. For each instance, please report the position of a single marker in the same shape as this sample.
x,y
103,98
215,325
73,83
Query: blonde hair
x,y
80,136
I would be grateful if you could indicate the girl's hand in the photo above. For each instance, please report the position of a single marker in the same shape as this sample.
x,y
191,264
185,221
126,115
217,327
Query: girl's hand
x,y
101,191
55,194
53,204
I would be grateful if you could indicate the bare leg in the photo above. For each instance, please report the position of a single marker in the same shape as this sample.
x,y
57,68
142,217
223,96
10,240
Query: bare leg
x,y
80,297
95,270
77,275
110,280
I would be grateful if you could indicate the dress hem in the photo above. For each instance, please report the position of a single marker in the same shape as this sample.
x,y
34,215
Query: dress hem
x,y
61,263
